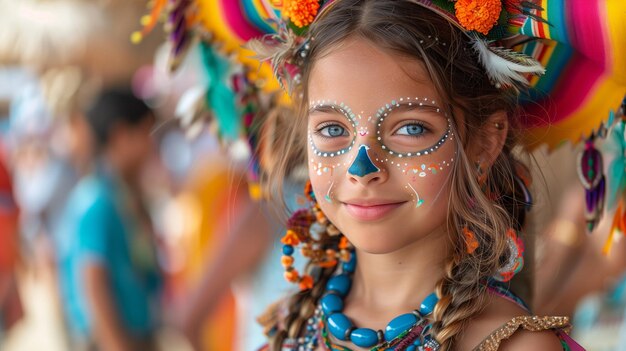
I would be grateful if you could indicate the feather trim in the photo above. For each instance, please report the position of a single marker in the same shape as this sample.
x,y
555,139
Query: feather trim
x,y
504,66
280,50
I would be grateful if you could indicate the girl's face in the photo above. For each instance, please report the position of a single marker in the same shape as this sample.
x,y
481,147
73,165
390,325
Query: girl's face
x,y
380,147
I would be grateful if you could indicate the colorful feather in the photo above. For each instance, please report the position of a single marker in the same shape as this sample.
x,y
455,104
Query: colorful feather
x,y
505,67
282,51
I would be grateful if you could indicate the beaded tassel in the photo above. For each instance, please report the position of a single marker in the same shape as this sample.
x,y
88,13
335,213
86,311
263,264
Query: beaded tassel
x,y
311,229
179,20
178,23
591,175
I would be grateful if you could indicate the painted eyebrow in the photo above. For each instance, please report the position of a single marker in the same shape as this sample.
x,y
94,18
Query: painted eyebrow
x,y
402,107
329,108
411,106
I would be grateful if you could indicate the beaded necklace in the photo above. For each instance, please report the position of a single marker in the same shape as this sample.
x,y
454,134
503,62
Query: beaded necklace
x,y
410,331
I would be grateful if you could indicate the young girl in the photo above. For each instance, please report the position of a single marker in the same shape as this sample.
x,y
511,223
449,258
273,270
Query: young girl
x,y
417,201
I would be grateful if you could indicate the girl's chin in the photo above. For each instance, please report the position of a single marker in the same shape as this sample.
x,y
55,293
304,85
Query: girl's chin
x,y
376,247
375,239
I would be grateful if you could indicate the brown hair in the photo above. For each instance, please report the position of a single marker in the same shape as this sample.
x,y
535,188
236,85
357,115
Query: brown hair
x,y
409,29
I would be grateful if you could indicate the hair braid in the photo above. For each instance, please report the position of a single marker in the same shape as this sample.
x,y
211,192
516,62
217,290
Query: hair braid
x,y
460,300
462,289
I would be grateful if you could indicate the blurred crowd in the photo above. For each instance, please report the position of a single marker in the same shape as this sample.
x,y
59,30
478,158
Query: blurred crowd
x,y
128,227
119,231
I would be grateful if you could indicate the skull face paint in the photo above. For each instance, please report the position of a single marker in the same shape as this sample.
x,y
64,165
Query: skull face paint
x,y
386,169
336,139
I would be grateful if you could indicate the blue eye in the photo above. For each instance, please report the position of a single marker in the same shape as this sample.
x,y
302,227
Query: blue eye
x,y
333,131
412,129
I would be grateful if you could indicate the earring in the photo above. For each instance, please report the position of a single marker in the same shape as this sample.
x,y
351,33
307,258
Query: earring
x,y
515,262
591,174
311,228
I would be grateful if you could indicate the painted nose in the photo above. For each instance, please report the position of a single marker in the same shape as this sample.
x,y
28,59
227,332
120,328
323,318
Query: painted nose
x,y
363,169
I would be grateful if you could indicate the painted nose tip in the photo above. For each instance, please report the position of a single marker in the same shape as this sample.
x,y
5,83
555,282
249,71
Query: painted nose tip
x,y
363,164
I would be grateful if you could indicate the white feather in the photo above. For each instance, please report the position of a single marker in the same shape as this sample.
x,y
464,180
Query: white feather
x,y
504,67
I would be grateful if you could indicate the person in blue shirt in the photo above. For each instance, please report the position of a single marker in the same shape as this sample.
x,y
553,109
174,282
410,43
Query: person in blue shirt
x,y
110,280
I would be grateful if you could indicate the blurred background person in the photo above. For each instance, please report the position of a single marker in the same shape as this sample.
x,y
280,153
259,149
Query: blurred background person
x,y
110,279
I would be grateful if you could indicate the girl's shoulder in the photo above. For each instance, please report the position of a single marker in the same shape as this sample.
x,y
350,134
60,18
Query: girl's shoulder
x,y
507,325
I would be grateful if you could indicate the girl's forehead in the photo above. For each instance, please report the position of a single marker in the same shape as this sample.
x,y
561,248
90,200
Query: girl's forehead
x,y
365,77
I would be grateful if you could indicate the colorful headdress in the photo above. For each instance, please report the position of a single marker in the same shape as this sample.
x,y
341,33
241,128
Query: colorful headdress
x,y
485,22
581,43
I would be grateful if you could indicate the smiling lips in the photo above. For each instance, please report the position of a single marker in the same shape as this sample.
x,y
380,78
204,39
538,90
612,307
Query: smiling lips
x,y
370,210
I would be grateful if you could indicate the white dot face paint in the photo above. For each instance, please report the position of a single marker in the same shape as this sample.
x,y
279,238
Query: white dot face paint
x,y
403,128
397,136
381,174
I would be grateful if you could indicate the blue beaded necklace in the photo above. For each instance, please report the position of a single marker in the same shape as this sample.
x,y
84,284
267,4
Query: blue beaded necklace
x,y
342,328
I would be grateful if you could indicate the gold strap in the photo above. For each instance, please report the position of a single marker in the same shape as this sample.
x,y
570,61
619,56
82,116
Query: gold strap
x,y
530,323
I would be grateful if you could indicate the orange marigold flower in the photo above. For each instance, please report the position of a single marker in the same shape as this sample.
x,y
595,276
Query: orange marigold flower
x,y
290,238
478,15
306,282
301,12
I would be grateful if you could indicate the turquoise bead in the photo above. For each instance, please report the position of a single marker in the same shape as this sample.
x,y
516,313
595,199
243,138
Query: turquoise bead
x,y
350,266
399,325
339,324
331,303
364,337
339,283
411,348
428,305
287,250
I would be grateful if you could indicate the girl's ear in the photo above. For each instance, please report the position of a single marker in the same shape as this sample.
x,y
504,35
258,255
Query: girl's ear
x,y
492,136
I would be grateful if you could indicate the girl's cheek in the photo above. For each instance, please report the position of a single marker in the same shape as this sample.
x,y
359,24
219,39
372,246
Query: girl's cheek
x,y
417,171
423,179
326,173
